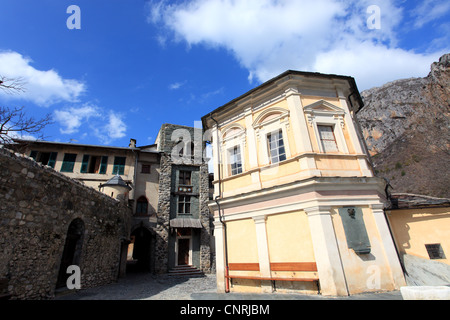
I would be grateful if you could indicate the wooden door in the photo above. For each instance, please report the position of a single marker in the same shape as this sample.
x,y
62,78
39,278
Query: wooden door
x,y
183,251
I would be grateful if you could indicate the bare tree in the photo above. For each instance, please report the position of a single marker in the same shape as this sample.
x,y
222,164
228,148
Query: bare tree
x,y
14,121
12,85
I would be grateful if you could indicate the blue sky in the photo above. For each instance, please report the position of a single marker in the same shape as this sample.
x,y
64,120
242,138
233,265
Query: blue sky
x,y
134,64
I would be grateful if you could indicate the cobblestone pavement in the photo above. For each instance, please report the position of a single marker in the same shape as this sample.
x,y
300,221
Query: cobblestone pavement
x,y
142,286
164,287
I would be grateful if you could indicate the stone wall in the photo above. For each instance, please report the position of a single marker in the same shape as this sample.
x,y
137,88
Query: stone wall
x,y
171,162
37,205
163,216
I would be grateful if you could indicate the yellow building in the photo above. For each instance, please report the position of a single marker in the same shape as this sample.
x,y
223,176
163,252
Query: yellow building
x,y
420,226
297,206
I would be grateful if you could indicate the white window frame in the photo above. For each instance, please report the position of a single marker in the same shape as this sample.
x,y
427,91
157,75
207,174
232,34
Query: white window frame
x,y
228,142
323,113
230,153
279,131
264,128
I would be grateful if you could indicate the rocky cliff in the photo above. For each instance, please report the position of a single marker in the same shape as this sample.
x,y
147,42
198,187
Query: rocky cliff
x,y
407,130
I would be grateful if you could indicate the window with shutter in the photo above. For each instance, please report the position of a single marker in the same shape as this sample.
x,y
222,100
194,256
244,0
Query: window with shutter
x,y
119,165
68,162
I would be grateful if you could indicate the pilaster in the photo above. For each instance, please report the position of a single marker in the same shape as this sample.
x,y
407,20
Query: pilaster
x,y
388,245
220,256
263,252
326,251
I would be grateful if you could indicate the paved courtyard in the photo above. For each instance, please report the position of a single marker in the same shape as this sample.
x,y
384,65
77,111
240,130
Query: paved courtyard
x,y
141,286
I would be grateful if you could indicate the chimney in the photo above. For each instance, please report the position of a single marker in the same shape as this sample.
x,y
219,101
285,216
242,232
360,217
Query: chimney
x,y
132,143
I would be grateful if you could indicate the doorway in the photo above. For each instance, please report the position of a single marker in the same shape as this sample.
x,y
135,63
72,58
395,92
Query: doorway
x,y
139,258
183,255
72,250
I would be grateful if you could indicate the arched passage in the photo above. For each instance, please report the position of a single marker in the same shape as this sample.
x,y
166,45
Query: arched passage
x,y
139,254
72,250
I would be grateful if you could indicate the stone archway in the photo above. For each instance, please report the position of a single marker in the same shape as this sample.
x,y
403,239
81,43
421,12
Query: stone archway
x,y
141,252
72,250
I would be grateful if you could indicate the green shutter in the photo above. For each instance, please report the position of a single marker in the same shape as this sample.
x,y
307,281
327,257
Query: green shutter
x,y
104,165
119,165
33,155
68,162
52,160
85,163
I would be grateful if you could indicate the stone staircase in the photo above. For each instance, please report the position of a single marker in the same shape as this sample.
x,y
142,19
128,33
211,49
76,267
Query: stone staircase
x,y
186,271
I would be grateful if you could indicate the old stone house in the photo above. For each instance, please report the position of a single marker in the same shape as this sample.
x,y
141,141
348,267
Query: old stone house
x,y
167,194
183,196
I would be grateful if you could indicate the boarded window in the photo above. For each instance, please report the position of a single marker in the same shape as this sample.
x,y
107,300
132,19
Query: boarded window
x,y
327,138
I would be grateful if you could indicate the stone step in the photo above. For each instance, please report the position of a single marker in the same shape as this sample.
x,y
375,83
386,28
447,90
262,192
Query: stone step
x,y
187,271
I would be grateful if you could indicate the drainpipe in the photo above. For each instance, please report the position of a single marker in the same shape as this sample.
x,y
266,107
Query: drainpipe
x,y
221,217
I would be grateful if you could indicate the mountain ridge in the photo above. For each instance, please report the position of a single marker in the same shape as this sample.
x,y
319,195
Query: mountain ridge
x,y
406,127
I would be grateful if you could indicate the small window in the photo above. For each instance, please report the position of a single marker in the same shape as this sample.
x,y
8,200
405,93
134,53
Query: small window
x,y
235,160
141,206
184,204
185,178
275,142
68,162
46,158
145,168
191,149
91,164
119,165
327,138
435,251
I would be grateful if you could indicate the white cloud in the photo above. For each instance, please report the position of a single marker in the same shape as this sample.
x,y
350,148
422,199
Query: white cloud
x,y
176,85
430,10
41,87
268,37
374,65
92,118
72,118
115,128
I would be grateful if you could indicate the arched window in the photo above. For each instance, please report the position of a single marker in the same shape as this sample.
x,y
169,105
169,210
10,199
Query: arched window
x,y
142,206
271,128
233,144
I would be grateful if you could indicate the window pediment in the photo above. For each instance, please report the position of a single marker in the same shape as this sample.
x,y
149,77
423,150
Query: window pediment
x,y
323,108
233,131
269,116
